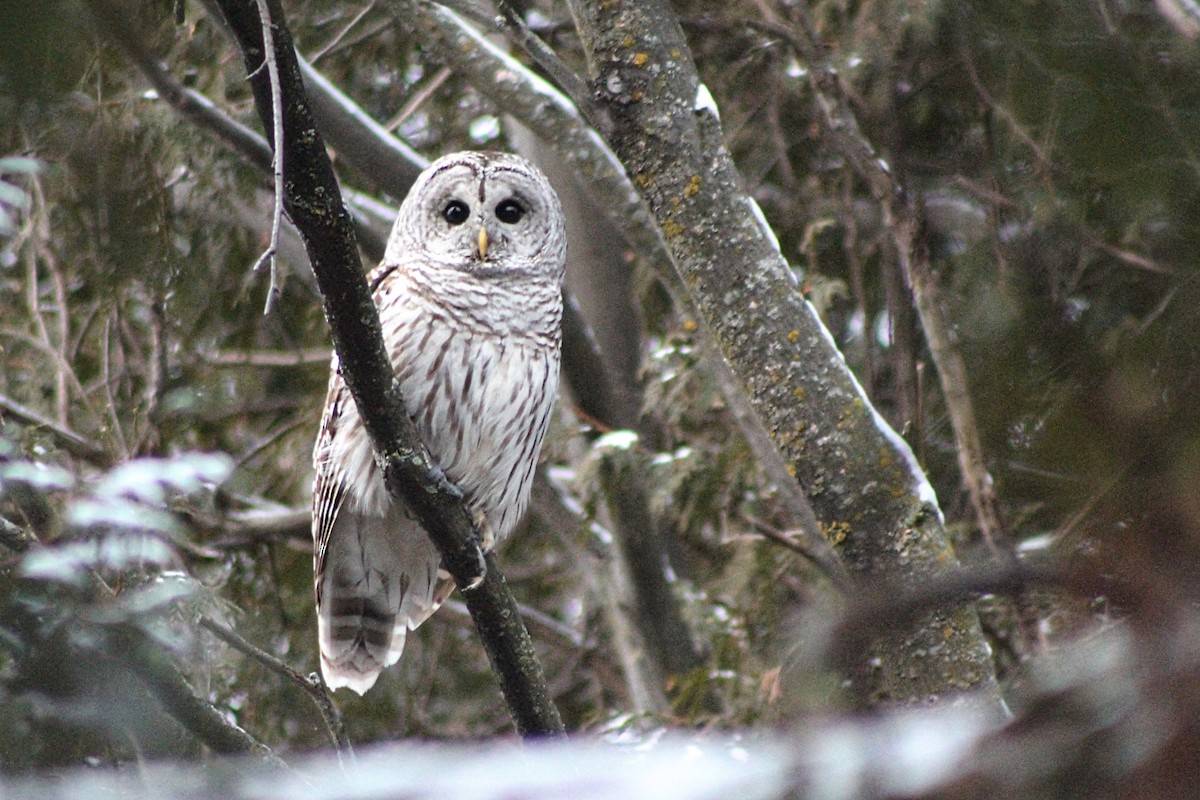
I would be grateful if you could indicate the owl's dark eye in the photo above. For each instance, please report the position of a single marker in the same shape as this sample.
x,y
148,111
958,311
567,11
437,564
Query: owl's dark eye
x,y
509,211
456,212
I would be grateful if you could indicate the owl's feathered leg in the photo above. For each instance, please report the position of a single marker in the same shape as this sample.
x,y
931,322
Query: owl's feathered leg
x,y
380,581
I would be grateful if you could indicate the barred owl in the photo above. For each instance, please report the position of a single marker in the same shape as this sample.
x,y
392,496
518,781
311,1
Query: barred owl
x,y
469,297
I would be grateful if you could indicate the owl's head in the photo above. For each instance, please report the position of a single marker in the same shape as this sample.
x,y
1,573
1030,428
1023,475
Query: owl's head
x,y
488,214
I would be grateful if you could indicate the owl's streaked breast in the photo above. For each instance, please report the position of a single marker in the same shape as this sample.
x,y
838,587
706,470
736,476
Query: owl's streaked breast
x,y
481,398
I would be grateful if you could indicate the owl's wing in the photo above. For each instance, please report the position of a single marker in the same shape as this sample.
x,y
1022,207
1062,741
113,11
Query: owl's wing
x,y
329,485
330,482
376,571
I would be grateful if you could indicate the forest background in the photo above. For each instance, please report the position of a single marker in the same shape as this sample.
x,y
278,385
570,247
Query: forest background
x,y
739,578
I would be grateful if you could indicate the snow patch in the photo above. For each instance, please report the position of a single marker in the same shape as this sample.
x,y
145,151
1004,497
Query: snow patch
x,y
617,440
705,102
756,210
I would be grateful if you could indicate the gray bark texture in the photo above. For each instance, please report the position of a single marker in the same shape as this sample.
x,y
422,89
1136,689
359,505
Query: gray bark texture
x,y
860,477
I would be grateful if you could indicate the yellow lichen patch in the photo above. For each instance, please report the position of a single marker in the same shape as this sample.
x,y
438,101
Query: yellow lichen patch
x,y
793,335
643,180
791,470
947,632
692,187
851,411
835,532
627,41
799,393
885,457
640,59
689,325
671,228
675,52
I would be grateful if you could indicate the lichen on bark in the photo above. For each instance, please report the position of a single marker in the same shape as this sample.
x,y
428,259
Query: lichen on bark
x,y
860,476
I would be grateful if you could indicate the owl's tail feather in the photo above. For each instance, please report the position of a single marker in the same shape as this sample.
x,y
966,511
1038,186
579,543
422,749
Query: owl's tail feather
x,y
380,581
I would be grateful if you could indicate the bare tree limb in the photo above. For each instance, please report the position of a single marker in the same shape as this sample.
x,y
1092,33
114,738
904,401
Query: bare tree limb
x,y
268,257
115,23
609,584
570,83
268,358
68,440
151,664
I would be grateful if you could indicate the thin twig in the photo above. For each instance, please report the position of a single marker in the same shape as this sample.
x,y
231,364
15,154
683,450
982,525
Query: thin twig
x,y
554,67
107,377
268,358
1014,124
418,99
35,305
341,34
311,684
551,630
68,440
797,542
472,11
204,113
274,289
63,365
187,102
155,668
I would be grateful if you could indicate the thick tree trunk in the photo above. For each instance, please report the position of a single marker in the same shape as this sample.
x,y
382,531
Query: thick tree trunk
x,y
869,494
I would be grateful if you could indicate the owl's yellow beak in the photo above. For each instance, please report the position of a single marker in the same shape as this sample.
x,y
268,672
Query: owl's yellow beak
x,y
483,243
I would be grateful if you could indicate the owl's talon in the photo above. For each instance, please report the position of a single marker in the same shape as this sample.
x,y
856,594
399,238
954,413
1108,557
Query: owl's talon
x,y
444,484
487,537
475,582
487,540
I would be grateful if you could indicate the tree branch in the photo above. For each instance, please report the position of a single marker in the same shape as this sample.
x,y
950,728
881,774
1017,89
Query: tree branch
x,y
268,257
154,668
904,224
73,443
312,685
115,23
864,484
314,204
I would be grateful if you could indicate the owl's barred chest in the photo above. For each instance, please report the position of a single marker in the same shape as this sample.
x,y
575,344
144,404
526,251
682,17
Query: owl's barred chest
x,y
482,404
